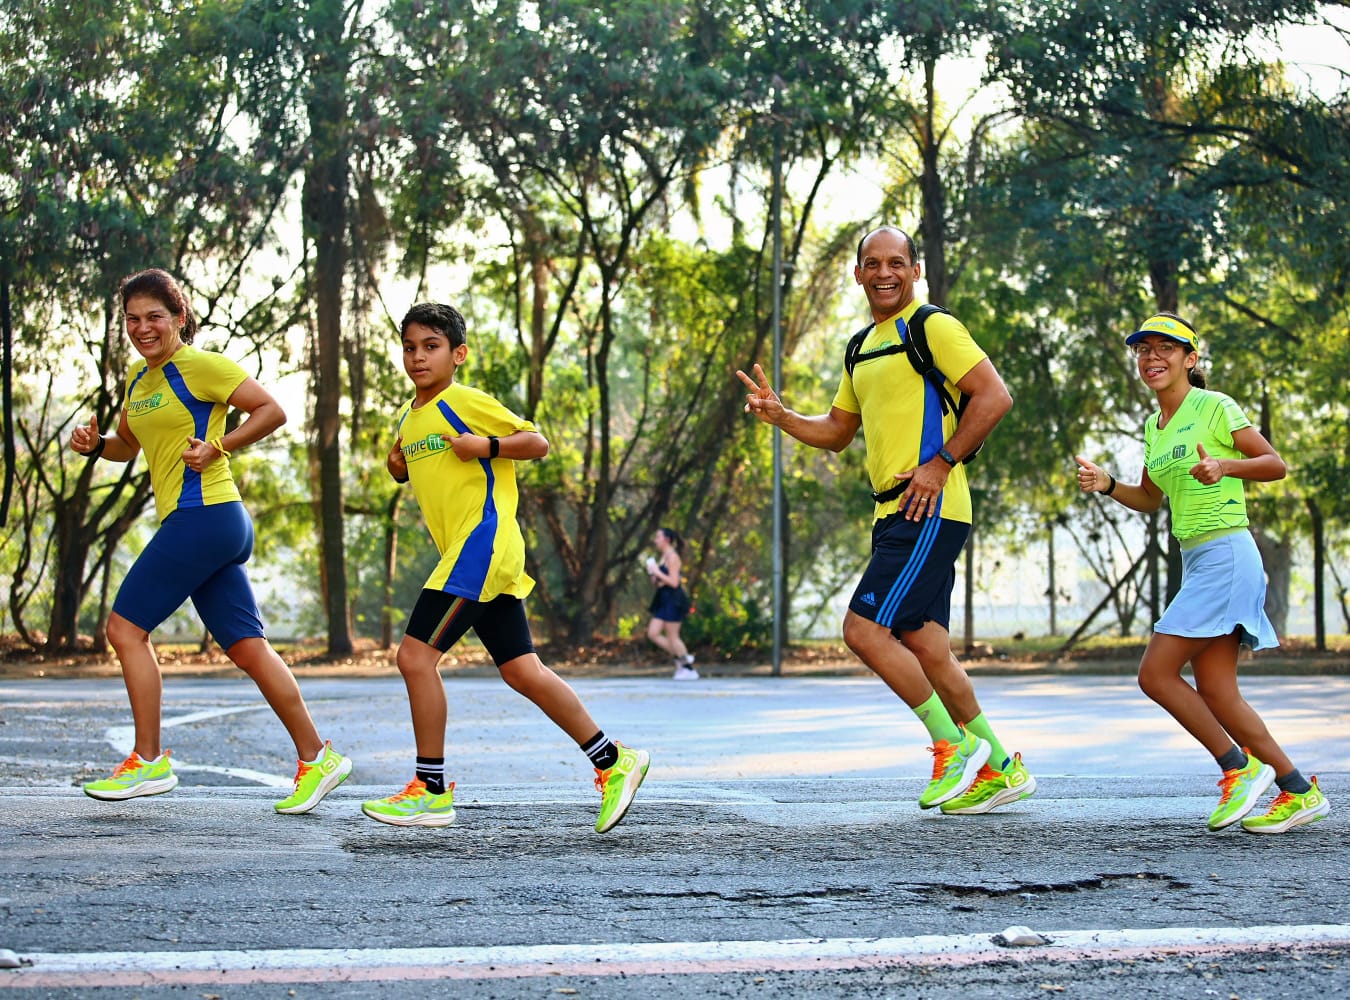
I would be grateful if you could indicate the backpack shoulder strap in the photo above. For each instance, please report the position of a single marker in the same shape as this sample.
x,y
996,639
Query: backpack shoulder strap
x,y
920,354
854,348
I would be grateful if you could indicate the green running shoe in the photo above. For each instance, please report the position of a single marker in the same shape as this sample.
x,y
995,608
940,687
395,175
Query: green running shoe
x,y
135,777
414,806
993,789
314,781
619,784
955,766
1239,791
1290,810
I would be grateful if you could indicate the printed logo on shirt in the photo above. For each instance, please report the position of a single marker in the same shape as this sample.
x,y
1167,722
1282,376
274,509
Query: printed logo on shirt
x,y
432,444
1179,452
138,407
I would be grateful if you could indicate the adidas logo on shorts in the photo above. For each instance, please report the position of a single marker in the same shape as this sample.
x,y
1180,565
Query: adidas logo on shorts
x,y
869,599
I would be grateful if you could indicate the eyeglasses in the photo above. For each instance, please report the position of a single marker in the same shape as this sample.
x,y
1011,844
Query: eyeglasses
x,y
1163,350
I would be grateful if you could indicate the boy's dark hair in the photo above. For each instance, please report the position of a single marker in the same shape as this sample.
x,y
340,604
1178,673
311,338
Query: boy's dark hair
x,y
160,285
439,317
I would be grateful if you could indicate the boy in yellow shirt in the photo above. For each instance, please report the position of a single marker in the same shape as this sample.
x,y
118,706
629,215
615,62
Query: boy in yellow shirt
x,y
457,446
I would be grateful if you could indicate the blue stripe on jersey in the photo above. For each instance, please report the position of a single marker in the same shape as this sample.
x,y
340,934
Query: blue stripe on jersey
x,y
139,375
471,568
200,411
932,434
923,545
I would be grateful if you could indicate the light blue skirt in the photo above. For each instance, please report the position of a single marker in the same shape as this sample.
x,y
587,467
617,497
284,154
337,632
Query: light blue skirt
x,y
1223,587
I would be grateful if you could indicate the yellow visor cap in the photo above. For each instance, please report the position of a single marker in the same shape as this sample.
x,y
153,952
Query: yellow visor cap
x,y
1165,326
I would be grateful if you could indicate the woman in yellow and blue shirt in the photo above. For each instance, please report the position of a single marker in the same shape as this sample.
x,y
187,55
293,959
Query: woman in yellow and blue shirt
x,y
174,407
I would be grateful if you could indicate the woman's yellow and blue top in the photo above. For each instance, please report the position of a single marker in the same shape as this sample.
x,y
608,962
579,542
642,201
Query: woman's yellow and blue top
x,y
186,397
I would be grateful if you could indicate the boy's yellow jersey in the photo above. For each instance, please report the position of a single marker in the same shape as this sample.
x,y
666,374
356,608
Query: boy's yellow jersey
x,y
469,507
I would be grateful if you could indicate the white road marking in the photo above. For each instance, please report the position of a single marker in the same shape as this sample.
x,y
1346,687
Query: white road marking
x,y
123,738
318,965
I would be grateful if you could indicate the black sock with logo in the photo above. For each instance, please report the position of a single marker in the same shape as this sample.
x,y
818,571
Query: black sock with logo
x,y
431,770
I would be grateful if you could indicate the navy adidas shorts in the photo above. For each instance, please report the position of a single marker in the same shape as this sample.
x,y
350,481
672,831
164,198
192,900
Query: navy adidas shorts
x,y
197,553
440,620
913,569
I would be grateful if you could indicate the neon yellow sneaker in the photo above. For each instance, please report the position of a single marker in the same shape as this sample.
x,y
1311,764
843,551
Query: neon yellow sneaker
x,y
1290,810
414,806
1239,791
314,781
955,766
135,777
619,784
993,789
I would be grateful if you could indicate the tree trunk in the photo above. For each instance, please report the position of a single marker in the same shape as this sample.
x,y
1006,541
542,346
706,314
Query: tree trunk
x,y
1275,555
1050,565
970,591
1319,569
933,223
390,566
325,202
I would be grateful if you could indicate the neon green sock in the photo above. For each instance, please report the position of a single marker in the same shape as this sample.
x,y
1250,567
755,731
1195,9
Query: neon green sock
x,y
937,720
998,757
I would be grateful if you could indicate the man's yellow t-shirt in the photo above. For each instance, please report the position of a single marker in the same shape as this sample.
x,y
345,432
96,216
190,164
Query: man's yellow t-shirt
x,y
902,419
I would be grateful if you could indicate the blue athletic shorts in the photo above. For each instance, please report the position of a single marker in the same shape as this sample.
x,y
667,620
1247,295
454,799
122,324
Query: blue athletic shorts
x,y
198,553
913,569
1223,589
440,620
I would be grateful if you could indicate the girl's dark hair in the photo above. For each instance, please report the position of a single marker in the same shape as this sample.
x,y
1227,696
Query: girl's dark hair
x,y
674,538
441,318
162,286
1195,375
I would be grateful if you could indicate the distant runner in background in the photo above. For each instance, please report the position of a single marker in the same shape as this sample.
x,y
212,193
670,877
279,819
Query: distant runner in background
x,y
670,603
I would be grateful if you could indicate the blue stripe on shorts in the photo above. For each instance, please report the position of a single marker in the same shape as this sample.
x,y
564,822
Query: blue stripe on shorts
x,y
910,577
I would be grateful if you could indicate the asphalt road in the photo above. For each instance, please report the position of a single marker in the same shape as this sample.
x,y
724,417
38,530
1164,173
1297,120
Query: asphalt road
x,y
776,850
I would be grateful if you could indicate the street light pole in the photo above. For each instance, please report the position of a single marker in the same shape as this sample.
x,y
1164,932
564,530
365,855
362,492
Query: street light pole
x,y
779,591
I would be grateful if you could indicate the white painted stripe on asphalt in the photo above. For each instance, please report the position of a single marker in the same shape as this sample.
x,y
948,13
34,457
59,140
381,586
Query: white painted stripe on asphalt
x,y
315,965
123,739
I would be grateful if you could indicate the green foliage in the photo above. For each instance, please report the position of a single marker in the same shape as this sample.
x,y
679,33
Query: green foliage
x,y
529,162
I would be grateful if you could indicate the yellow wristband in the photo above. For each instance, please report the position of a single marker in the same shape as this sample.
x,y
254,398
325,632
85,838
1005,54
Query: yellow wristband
x,y
219,445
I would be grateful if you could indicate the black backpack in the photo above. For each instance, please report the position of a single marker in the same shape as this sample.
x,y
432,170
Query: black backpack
x,y
920,356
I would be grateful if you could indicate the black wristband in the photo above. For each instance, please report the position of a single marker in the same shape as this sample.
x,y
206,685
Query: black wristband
x,y
98,449
1112,488
494,447
947,457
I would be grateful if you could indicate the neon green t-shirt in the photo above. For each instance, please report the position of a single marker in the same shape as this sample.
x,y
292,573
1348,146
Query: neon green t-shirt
x,y
902,419
1208,418
185,397
469,507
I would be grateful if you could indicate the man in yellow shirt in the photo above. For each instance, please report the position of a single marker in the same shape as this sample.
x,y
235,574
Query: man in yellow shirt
x,y
898,617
